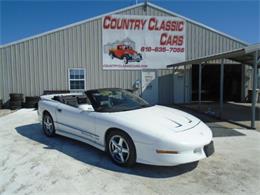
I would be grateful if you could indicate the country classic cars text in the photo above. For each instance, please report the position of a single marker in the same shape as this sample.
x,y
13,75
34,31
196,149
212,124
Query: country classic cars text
x,y
150,24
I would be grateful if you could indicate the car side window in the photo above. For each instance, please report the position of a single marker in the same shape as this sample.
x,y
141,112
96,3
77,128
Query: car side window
x,y
83,100
73,101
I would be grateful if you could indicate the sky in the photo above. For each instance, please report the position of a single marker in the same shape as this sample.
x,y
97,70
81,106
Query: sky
x,y
23,18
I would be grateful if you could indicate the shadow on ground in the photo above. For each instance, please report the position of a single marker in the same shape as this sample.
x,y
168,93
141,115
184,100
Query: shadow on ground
x,y
239,114
90,155
217,129
220,131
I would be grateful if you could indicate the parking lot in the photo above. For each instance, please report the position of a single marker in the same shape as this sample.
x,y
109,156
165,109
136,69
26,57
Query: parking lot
x,y
31,163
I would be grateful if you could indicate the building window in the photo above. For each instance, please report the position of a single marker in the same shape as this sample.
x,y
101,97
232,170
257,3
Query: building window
x,y
77,79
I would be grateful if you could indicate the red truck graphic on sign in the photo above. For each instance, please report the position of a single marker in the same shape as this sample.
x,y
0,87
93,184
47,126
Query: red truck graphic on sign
x,y
126,53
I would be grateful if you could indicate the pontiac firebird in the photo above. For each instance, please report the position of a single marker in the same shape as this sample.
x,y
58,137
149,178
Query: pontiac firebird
x,y
126,127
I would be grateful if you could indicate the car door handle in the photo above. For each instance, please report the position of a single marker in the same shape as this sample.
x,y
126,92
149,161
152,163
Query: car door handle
x,y
59,110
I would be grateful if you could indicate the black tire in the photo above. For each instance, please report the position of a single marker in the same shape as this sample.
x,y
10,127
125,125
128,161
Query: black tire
x,y
140,55
16,96
1,104
111,55
125,58
130,157
49,132
16,99
14,105
31,99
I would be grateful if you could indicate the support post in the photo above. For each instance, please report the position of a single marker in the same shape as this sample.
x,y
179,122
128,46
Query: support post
x,y
221,87
254,90
199,92
184,78
173,88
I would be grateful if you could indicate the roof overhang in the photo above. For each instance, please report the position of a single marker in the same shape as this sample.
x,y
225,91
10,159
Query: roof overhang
x,y
243,55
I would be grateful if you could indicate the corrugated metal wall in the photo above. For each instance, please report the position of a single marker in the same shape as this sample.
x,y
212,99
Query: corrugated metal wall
x,y
42,63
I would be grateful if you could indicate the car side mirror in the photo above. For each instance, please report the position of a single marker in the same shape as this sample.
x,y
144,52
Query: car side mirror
x,y
86,107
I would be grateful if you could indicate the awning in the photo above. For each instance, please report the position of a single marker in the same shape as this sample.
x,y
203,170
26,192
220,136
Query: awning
x,y
243,55
249,55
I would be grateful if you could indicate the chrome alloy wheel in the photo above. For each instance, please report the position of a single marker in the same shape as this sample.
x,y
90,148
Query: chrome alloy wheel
x,y
119,149
48,125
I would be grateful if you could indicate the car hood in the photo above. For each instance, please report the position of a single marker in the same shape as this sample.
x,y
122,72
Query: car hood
x,y
155,118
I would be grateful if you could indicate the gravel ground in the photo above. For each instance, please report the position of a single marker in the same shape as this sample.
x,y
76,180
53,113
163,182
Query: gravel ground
x,y
31,163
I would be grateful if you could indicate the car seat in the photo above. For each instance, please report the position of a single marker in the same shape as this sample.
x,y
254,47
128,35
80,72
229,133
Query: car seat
x,y
71,101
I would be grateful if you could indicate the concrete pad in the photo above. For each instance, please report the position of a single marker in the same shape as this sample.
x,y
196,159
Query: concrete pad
x,y
238,113
31,163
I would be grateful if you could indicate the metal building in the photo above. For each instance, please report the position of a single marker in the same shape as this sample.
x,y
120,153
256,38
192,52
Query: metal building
x,y
48,61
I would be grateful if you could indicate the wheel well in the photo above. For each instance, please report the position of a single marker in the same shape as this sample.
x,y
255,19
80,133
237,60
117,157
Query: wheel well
x,y
45,112
115,129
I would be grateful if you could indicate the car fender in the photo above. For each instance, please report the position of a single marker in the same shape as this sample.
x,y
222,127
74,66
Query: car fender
x,y
105,123
49,106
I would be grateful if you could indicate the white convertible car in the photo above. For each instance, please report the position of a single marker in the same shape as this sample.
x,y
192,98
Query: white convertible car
x,y
127,127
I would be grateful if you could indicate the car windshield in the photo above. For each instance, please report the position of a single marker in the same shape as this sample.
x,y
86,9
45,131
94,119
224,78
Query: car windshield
x,y
115,100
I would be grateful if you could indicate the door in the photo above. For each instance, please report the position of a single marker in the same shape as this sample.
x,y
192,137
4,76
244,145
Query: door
x,y
74,121
178,88
150,87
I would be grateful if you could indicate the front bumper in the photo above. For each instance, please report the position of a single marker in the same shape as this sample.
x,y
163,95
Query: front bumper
x,y
192,155
187,152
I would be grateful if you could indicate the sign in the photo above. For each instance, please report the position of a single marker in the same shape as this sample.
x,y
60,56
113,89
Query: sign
x,y
142,42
